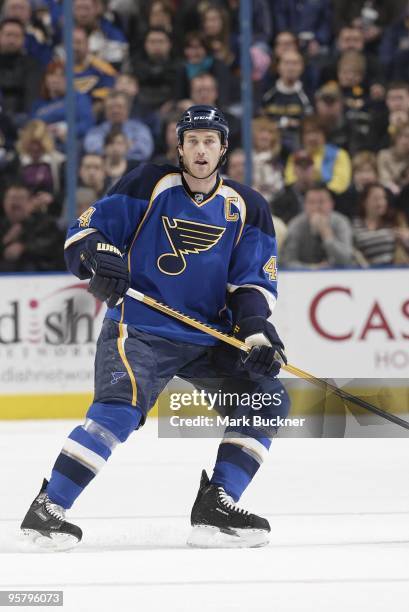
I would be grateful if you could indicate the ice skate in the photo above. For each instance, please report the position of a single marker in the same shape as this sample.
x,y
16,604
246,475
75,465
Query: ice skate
x,y
45,527
218,523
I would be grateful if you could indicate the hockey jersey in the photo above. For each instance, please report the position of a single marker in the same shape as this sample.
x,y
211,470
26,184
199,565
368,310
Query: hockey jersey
x,y
191,253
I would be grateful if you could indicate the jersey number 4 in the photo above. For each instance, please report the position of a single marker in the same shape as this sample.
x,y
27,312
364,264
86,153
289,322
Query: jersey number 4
x,y
271,268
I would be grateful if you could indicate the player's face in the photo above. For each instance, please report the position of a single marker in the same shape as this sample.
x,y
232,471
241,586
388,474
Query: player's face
x,y
201,151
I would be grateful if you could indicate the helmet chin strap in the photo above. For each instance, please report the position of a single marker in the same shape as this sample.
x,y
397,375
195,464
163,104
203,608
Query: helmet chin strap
x,y
203,178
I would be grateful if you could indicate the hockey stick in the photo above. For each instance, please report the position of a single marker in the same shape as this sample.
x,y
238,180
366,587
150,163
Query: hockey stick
x,y
319,382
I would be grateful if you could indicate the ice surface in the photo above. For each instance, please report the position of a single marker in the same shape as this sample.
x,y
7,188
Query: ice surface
x,y
339,510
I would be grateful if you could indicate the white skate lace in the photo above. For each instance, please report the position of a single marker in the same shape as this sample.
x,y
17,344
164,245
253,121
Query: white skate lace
x,y
228,502
55,510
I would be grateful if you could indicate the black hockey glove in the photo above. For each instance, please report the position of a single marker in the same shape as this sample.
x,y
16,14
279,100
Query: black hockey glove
x,y
110,277
267,353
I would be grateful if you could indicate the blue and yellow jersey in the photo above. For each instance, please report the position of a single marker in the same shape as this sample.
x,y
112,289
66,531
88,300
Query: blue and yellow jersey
x,y
96,78
190,253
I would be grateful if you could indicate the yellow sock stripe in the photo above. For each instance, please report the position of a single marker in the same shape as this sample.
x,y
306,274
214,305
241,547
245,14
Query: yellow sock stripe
x,y
121,350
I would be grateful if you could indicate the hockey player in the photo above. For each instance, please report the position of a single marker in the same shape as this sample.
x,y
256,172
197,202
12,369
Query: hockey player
x,y
205,246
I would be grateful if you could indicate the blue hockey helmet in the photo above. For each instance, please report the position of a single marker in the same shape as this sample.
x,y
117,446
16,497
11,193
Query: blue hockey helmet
x,y
203,117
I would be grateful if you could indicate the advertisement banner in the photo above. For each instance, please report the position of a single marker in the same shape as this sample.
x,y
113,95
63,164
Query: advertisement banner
x,y
335,324
346,324
48,328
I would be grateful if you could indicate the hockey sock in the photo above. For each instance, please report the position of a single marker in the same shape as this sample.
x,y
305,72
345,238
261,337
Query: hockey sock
x,y
238,460
87,449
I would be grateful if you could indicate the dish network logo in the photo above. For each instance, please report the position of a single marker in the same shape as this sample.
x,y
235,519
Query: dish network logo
x,y
64,317
374,320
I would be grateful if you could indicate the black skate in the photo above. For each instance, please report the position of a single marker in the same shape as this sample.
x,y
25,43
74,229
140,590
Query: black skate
x,y
218,523
45,526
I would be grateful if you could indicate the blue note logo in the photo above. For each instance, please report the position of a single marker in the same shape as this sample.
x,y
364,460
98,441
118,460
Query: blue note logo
x,y
116,377
186,238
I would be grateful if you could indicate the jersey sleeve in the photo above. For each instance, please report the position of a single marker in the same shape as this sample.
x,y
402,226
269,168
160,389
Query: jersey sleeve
x,y
115,217
252,281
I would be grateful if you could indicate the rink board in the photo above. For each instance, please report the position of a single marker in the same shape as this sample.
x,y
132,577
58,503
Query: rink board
x,y
349,324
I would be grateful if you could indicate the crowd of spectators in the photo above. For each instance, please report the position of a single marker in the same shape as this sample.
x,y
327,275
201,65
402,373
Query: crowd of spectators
x,y
330,128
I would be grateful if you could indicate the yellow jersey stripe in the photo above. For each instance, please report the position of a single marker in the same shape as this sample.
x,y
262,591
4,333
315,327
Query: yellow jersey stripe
x,y
123,334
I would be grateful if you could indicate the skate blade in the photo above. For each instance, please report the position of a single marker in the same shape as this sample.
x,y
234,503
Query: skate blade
x,y
31,540
205,536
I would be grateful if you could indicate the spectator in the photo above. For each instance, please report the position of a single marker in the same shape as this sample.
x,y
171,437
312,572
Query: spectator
x,y
41,167
311,20
92,174
290,201
170,155
36,43
386,123
287,103
393,162
262,22
205,90
115,155
235,171
393,50
318,237
105,40
332,164
352,39
198,59
375,234
351,72
364,172
267,170
339,130
156,71
93,76
160,14
129,84
116,109
20,74
51,106
84,198
283,42
216,28
329,107
370,17
29,239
